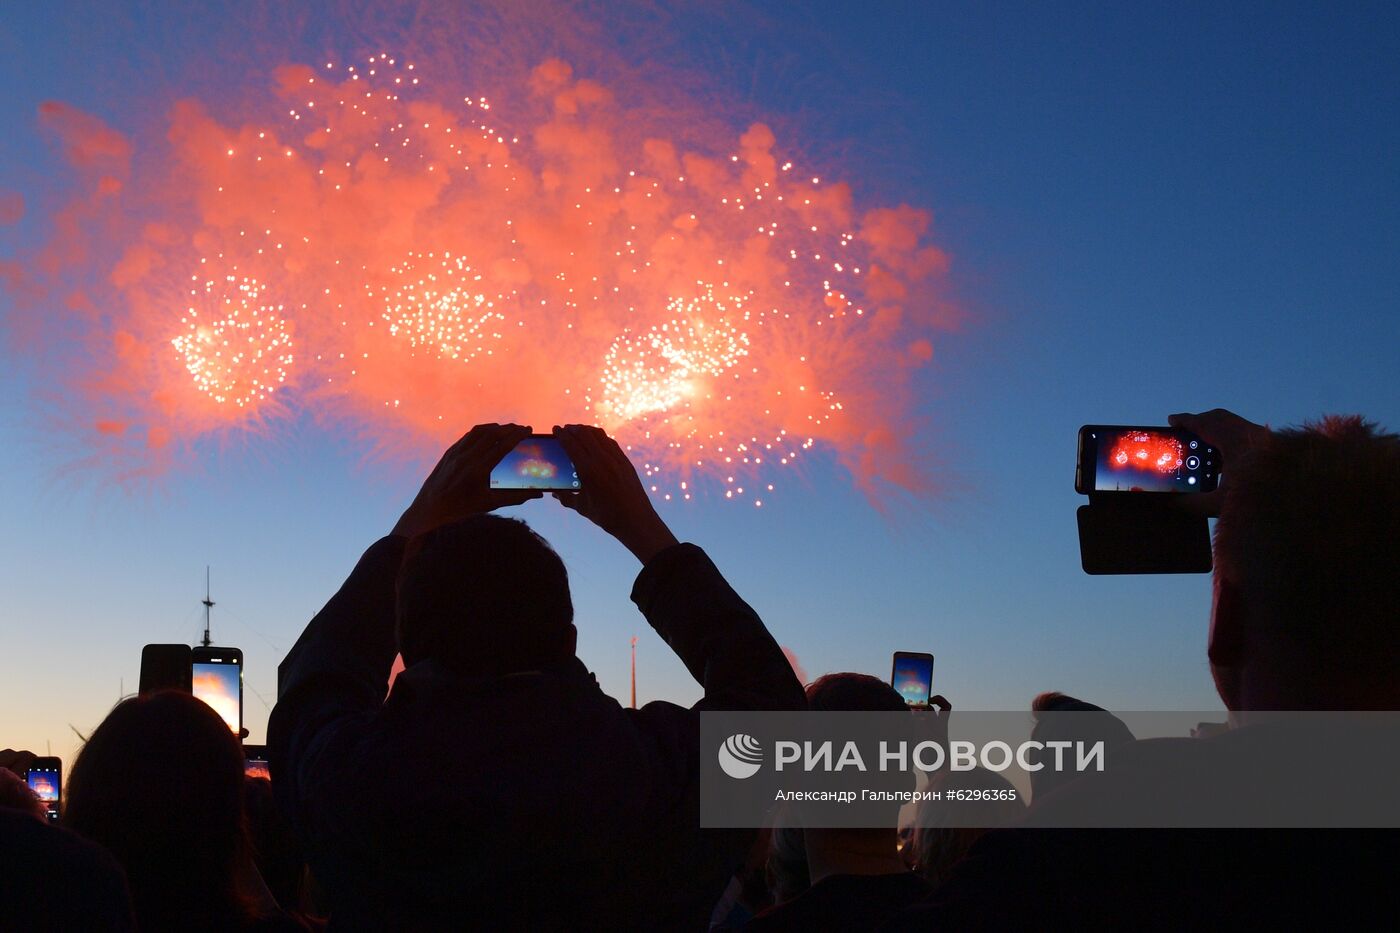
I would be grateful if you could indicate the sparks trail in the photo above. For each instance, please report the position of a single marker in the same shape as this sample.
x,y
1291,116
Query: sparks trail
x,y
719,312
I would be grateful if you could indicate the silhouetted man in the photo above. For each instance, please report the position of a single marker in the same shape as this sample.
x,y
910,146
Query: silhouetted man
x,y
497,785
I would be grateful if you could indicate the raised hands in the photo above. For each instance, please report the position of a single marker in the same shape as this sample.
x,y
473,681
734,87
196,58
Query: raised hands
x,y
460,485
612,496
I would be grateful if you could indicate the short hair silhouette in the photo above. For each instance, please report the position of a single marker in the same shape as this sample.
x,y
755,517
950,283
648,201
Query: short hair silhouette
x,y
160,785
851,692
1054,723
1307,534
484,596
862,693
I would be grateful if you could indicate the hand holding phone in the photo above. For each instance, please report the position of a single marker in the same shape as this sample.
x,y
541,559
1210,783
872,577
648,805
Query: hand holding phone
x,y
459,485
1233,436
612,495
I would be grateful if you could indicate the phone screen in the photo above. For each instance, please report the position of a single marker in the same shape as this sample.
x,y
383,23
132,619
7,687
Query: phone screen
x,y
537,462
913,677
217,679
1131,459
45,779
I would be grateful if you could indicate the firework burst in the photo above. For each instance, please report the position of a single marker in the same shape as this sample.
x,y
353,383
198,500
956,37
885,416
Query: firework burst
x,y
236,347
718,311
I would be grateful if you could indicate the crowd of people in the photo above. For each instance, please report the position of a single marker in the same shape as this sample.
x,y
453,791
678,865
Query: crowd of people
x,y
495,786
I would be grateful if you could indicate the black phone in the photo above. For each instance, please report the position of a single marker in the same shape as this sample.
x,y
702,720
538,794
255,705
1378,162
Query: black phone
x,y
912,677
216,677
45,779
1124,459
165,667
537,462
255,762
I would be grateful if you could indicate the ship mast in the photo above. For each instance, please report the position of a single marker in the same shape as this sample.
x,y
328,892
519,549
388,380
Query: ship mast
x,y
208,604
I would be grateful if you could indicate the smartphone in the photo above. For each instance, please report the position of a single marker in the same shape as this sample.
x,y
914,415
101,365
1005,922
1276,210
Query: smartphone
x,y
45,779
537,462
165,667
255,762
912,677
216,677
1118,458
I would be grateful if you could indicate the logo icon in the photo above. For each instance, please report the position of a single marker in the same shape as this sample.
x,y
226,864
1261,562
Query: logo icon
x,y
740,756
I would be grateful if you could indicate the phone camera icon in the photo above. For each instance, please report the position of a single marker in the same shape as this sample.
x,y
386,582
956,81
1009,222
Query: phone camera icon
x,y
1193,462
1193,444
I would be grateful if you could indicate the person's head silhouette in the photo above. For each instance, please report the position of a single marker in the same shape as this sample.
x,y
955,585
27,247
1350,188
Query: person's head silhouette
x,y
1307,579
484,596
159,784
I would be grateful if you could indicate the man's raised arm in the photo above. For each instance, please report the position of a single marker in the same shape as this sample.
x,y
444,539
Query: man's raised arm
x,y
337,673
721,640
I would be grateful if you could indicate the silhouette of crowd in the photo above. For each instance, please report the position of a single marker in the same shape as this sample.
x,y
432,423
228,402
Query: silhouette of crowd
x,y
496,786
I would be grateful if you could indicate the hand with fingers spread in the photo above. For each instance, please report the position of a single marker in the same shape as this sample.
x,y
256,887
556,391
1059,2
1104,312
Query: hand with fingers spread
x,y
460,484
1228,433
611,495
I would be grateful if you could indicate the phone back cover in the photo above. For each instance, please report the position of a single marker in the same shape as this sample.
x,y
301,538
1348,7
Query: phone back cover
x,y
1135,537
166,667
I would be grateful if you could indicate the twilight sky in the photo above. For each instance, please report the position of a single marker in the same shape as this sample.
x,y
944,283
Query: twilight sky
x,y
1145,212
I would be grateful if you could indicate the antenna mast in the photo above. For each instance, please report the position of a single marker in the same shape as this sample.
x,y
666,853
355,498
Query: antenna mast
x,y
208,604
634,671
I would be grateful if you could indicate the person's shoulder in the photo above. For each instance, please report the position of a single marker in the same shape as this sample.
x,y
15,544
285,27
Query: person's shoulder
x,y
53,875
34,841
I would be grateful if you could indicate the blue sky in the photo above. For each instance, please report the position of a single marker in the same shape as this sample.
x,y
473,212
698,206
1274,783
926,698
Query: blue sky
x,y
1148,211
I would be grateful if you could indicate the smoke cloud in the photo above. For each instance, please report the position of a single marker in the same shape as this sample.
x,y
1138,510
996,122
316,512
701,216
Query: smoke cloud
x,y
382,247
